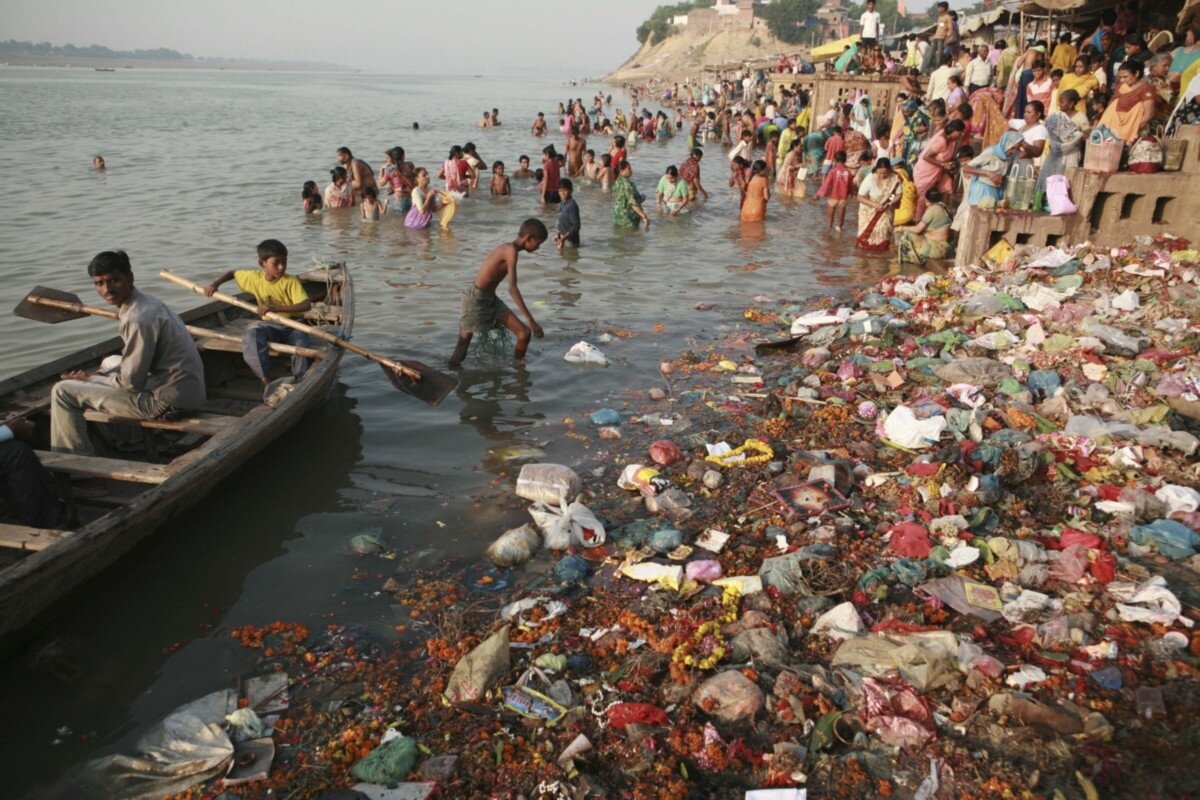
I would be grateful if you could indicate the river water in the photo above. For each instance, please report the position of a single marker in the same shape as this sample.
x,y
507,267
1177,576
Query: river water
x,y
202,166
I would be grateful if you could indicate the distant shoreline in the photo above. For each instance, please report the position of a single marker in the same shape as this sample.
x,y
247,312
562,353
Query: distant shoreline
x,y
150,63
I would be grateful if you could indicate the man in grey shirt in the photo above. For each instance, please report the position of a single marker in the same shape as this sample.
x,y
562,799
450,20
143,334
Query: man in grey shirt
x,y
160,370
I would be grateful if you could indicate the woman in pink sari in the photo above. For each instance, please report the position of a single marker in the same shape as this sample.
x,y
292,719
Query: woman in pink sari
x,y
937,163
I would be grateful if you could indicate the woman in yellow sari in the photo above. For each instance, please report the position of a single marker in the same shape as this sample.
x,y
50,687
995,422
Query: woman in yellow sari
x,y
1081,79
906,209
1132,106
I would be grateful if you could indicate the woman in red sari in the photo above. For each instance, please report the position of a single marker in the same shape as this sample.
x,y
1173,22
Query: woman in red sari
x,y
937,163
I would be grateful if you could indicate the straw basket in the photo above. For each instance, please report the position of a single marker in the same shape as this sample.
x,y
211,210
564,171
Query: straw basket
x,y
1103,156
1174,151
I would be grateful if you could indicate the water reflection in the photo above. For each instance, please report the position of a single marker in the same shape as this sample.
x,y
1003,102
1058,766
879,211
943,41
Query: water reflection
x,y
87,667
496,401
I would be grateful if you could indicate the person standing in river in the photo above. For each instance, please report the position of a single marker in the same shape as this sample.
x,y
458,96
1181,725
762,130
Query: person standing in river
x,y
575,146
482,310
358,171
627,200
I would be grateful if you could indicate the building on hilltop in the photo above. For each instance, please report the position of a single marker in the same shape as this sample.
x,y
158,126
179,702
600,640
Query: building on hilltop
x,y
832,20
724,14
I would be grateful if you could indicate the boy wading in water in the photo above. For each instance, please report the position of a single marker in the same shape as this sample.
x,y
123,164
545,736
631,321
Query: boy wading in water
x,y
481,308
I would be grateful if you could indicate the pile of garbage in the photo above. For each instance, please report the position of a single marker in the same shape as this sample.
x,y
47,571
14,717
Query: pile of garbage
x,y
936,540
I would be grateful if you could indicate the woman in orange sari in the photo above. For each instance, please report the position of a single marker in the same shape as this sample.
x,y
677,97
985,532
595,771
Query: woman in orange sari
x,y
1132,106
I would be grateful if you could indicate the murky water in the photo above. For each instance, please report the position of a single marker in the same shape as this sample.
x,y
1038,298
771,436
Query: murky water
x,y
202,166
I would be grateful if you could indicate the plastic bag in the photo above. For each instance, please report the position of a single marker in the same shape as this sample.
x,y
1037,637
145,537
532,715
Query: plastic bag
x,y
514,547
911,540
479,670
927,660
729,697
568,524
903,428
554,525
703,571
548,483
621,714
1173,539
1058,195
670,576
584,353
840,622
388,763
244,724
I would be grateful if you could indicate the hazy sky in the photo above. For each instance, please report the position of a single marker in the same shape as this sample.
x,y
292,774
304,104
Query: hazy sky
x,y
568,37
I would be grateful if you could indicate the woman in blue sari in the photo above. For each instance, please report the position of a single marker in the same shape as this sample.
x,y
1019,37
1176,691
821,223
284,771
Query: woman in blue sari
x,y
987,172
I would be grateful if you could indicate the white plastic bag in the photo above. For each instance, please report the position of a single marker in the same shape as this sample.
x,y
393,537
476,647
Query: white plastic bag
x,y
1058,196
548,483
586,529
584,353
903,428
566,525
554,525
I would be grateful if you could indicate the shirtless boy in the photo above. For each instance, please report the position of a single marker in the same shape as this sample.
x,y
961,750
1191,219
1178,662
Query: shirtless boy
x,y
523,170
591,167
500,182
575,146
361,176
539,125
482,309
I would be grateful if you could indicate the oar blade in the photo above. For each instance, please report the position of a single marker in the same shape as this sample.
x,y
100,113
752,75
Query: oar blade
x,y
30,310
432,388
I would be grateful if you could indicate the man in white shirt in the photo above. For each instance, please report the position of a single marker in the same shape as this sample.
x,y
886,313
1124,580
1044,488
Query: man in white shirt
x,y
979,70
939,79
871,26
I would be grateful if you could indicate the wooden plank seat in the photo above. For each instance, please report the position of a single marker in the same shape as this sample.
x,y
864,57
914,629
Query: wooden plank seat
x,y
198,422
111,468
20,537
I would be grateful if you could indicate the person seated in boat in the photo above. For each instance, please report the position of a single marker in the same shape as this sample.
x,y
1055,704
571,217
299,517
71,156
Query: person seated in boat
x,y
159,375
27,491
273,290
482,309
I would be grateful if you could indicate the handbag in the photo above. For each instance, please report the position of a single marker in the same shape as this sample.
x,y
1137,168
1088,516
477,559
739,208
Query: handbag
x,y
1146,155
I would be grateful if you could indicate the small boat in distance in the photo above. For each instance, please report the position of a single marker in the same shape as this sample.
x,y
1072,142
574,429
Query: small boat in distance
x,y
105,69
155,469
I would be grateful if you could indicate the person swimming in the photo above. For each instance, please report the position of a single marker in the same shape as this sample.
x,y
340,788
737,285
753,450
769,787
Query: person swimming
x,y
98,163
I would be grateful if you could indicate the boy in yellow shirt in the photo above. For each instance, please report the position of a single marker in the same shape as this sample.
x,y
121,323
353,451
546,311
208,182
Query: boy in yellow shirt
x,y
273,290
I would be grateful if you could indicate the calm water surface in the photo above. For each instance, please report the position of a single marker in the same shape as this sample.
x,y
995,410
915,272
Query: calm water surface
x,y
202,166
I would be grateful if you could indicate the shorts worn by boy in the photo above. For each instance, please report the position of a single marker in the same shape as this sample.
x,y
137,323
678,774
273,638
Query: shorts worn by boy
x,y
258,336
480,310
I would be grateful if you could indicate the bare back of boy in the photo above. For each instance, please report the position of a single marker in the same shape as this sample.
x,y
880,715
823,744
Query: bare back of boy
x,y
575,147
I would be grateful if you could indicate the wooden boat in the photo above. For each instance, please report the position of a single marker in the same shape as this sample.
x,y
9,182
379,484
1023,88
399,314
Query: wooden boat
x,y
155,469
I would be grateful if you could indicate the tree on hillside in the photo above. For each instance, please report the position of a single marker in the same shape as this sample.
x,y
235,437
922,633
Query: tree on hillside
x,y
659,27
787,20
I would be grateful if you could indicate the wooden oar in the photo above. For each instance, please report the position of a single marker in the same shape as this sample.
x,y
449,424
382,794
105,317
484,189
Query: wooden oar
x,y
412,377
55,306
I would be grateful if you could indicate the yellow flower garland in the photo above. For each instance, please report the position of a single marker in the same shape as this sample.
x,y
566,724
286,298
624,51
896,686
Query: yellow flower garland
x,y
758,445
682,654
